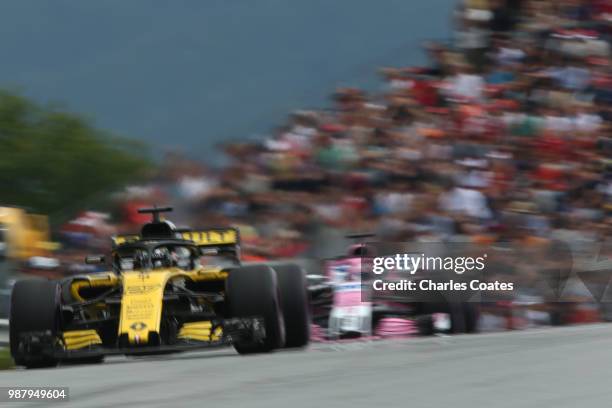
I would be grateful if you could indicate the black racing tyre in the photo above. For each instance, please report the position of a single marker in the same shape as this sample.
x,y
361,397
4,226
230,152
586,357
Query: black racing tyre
x,y
252,291
457,318
464,317
294,304
425,325
472,317
34,308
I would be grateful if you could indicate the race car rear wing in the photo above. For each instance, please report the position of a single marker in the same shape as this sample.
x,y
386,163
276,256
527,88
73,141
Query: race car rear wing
x,y
216,241
205,237
212,237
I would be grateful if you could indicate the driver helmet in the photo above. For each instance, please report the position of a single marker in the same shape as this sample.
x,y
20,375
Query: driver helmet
x,y
181,257
139,261
161,258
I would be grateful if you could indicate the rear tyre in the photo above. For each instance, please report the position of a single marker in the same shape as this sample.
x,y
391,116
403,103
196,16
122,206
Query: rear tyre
x,y
457,318
472,317
252,291
464,317
34,308
294,304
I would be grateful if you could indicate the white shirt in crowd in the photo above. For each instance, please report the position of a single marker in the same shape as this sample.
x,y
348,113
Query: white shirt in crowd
x,y
583,122
588,122
558,123
467,86
395,203
466,201
509,55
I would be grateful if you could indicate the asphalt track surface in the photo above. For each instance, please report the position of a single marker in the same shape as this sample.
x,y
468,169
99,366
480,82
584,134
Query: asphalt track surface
x,y
564,367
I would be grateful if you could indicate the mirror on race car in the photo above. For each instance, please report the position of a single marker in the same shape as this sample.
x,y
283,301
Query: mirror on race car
x,y
94,259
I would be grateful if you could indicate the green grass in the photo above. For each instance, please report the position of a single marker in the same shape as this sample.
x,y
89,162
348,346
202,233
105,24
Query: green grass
x,y
6,361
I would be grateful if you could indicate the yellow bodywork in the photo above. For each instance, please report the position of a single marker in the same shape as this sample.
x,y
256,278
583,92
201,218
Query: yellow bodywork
x,y
78,339
141,304
142,300
202,331
107,279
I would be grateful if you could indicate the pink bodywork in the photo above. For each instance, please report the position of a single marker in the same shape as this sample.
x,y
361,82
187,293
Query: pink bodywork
x,y
343,273
348,297
343,270
396,327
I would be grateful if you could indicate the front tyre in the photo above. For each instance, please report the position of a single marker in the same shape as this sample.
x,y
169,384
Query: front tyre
x,y
252,291
34,308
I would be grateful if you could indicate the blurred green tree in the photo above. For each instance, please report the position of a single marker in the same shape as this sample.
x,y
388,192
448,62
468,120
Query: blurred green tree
x,y
56,162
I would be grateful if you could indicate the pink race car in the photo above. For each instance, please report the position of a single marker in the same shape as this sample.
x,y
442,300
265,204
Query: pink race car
x,y
356,312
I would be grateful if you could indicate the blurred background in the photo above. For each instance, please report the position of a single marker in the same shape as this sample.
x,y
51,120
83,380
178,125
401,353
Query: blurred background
x,y
299,122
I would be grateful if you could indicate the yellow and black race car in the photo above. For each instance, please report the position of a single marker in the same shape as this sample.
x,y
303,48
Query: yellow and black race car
x,y
168,290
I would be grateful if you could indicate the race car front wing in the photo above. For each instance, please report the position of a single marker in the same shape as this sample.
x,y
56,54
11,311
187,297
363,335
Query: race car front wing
x,y
48,344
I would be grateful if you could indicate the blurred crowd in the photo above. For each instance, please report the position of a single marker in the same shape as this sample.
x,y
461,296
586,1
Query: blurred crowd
x,y
505,135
